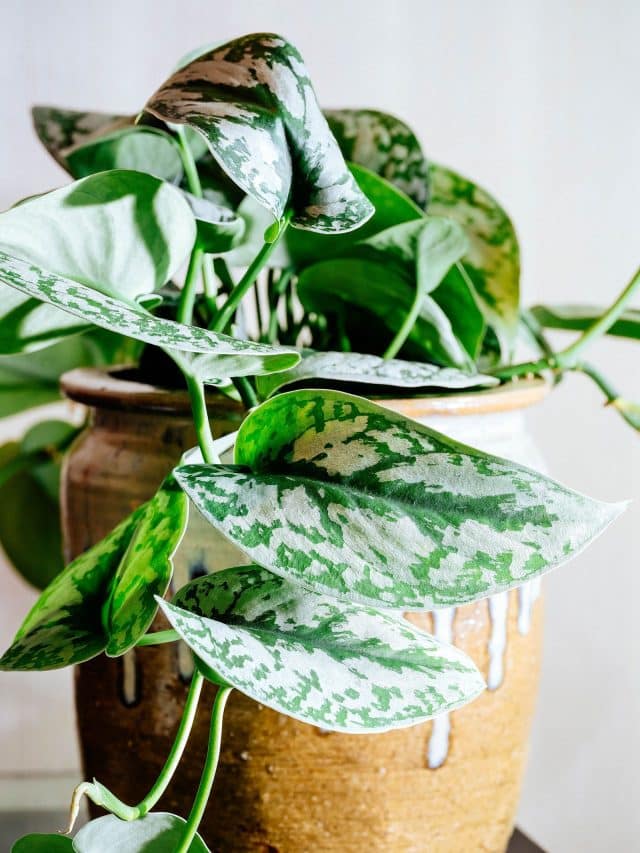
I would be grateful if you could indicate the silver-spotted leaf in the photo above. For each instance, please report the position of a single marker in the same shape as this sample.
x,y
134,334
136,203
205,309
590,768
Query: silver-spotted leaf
x,y
349,370
351,499
333,664
385,145
129,319
39,843
123,233
64,626
218,227
59,129
156,832
253,102
580,317
492,262
145,569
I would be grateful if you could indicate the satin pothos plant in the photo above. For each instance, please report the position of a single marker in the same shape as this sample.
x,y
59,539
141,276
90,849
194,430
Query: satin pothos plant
x,y
349,513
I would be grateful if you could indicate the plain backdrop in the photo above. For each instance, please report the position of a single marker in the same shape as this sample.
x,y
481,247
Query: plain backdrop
x,y
538,101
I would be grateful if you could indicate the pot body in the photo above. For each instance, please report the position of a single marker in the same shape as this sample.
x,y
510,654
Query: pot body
x,y
447,786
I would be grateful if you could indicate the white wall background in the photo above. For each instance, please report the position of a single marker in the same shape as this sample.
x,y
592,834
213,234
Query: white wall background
x,y
535,99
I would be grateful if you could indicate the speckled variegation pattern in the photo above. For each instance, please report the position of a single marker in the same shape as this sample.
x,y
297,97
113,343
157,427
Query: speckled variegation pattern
x,y
64,627
343,368
385,145
333,664
223,352
253,102
146,568
351,499
493,258
59,129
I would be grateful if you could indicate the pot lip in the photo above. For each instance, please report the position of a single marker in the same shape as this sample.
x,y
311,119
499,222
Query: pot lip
x,y
102,388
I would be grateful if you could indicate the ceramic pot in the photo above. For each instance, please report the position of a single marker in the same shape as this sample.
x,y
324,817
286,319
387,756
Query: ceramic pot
x,y
448,786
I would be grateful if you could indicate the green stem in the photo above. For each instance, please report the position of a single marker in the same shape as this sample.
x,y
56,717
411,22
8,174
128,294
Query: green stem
x,y
601,381
158,638
101,796
225,315
245,389
201,419
209,771
188,294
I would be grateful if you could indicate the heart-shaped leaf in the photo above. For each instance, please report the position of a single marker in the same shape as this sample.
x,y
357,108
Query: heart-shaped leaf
x,y
253,102
580,317
224,354
156,832
329,663
123,233
385,145
493,259
350,370
137,147
351,499
145,569
59,129
38,843
64,626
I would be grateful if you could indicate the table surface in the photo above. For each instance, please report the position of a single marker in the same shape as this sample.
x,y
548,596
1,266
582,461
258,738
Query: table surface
x,y
15,824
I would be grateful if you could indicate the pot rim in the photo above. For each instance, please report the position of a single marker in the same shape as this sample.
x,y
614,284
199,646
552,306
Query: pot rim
x,y
102,388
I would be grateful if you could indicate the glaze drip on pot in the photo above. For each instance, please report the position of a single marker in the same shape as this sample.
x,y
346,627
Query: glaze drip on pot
x,y
498,611
438,747
528,594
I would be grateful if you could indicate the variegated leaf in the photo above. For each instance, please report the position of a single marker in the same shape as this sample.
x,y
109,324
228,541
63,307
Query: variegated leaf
x,y
493,259
351,499
385,145
64,626
156,832
59,129
145,569
580,317
253,102
224,355
123,233
380,376
333,664
219,228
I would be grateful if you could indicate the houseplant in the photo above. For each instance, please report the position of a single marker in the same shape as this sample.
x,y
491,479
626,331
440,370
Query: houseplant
x,y
383,534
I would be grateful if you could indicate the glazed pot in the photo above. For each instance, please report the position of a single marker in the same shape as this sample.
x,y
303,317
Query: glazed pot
x,y
448,786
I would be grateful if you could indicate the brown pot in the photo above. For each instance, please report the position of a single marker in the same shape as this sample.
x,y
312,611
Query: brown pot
x,y
282,786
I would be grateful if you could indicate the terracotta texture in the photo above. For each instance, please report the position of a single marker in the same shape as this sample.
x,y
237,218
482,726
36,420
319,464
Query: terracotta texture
x,y
282,786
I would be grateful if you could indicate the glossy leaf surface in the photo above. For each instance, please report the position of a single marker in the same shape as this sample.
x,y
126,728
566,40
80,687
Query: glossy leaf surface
x,y
253,102
157,832
382,376
130,320
493,259
145,569
39,843
350,499
337,665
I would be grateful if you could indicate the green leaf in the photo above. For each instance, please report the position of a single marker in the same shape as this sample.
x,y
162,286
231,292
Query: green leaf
x,y
385,145
385,274
43,844
145,569
580,317
218,228
64,626
333,664
156,832
253,102
356,371
27,325
29,380
136,147
59,129
225,355
351,499
493,260
123,233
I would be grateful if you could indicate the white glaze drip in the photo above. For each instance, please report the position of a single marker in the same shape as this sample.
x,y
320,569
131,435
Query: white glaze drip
x,y
528,594
438,747
498,609
130,678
